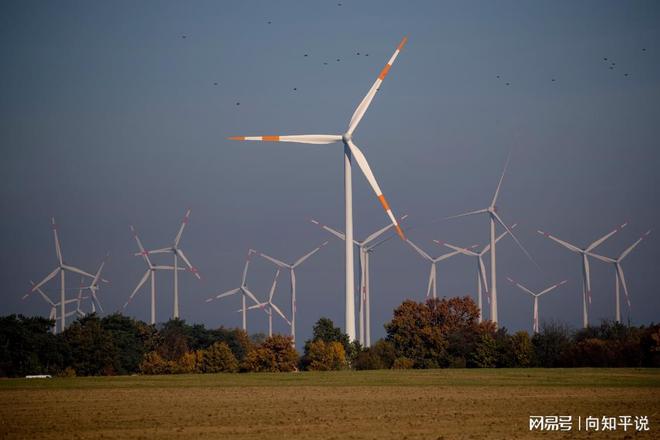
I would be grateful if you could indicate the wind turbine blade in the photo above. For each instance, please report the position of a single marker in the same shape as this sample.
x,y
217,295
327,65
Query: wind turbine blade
x,y
461,250
561,242
366,170
246,266
588,276
366,101
49,277
166,250
336,233
318,139
143,252
78,271
167,268
41,292
504,225
272,288
58,249
191,268
279,312
309,254
465,214
260,305
625,253
484,278
222,295
275,261
520,286
598,242
419,250
137,288
249,294
184,222
622,278
95,300
381,231
499,184
553,287
601,257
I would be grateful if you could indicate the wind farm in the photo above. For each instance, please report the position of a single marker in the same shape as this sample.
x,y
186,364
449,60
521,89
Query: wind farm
x,y
404,215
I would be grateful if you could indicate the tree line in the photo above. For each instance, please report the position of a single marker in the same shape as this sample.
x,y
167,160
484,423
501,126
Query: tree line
x,y
438,333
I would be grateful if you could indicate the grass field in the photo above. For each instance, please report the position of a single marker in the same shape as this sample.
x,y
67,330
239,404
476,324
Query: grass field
x,y
431,404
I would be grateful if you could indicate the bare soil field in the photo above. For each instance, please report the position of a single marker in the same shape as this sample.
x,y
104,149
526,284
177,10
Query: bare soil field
x,y
431,404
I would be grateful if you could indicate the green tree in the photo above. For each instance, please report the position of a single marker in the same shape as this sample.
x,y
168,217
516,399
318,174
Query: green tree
x,y
485,353
523,350
380,356
93,352
325,356
552,345
218,358
275,354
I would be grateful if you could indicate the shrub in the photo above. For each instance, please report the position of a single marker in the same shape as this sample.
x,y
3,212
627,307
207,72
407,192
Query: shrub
x,y
218,358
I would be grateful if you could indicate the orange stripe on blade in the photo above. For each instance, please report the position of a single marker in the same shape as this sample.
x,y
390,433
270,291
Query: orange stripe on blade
x,y
236,138
383,202
383,73
400,232
403,43
271,138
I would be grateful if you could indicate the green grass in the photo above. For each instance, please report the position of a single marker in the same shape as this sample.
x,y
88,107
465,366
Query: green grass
x,y
575,377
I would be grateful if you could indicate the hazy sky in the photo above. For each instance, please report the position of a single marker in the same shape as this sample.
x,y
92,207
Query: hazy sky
x,y
109,117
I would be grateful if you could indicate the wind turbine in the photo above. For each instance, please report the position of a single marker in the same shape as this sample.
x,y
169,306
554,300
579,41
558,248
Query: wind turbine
x,y
536,298
177,253
53,306
586,275
350,151
365,248
243,290
93,289
482,279
431,290
268,306
61,269
149,273
618,272
492,212
292,274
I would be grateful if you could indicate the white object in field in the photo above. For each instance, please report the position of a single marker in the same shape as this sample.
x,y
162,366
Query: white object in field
x,y
60,269
39,376
586,273
482,279
620,279
492,212
535,316
243,290
350,151
292,274
365,248
150,273
177,253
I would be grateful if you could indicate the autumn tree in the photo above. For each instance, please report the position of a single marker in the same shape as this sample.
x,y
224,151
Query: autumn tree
x,y
275,354
218,358
325,356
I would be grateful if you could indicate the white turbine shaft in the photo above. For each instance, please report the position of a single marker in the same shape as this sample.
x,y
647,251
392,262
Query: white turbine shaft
x,y
535,319
350,151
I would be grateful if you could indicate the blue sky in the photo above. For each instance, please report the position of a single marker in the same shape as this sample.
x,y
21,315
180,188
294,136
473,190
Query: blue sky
x,y
110,117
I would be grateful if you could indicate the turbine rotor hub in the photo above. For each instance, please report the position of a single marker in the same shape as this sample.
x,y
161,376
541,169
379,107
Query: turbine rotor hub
x,y
346,137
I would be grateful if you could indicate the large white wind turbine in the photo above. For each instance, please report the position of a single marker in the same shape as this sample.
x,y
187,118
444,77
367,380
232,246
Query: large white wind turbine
x,y
494,216
243,290
482,279
149,273
535,325
268,306
586,274
620,279
177,253
432,290
365,249
53,306
291,267
350,151
61,269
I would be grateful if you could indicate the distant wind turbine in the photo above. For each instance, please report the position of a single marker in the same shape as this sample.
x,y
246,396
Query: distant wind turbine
x,y
268,306
291,267
536,298
482,279
431,290
494,216
586,273
350,151
620,279
365,248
